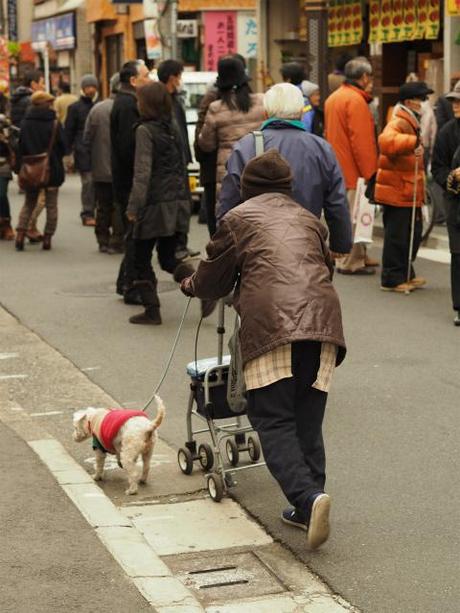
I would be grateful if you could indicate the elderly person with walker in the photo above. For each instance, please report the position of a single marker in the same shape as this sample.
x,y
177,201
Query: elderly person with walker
x,y
274,253
400,188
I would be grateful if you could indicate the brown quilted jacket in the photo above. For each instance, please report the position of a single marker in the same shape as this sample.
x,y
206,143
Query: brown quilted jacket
x,y
224,127
276,253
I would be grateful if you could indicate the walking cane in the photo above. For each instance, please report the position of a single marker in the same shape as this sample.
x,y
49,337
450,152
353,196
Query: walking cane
x,y
412,226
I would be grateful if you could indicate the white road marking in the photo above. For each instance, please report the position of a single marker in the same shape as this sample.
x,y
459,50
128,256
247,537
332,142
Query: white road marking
x,y
435,255
46,413
8,356
16,409
90,368
4,377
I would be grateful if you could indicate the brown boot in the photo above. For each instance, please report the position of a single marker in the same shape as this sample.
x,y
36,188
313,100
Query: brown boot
x,y
7,232
150,317
47,242
20,237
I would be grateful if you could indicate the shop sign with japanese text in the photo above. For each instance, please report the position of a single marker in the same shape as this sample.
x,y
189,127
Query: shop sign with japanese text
x,y
220,36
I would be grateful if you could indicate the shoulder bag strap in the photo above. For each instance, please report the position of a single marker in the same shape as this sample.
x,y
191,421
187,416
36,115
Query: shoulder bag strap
x,y
259,142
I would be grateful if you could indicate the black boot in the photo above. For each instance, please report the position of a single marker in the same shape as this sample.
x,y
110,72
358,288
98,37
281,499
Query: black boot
x,y
151,302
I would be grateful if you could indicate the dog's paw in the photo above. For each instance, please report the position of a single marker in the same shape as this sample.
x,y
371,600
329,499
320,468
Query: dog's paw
x,y
131,490
97,477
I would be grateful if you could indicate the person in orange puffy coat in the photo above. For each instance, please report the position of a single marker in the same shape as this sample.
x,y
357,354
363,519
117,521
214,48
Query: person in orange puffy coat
x,y
400,178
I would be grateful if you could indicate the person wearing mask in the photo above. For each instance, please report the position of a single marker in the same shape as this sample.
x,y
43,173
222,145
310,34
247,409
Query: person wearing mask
x,y
32,82
63,101
350,129
314,116
317,180
401,155
158,203
445,167
38,129
272,252
336,78
123,119
74,128
96,137
236,113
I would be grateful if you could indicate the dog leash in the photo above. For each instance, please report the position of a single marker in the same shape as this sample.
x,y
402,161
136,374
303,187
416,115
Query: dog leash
x,y
171,355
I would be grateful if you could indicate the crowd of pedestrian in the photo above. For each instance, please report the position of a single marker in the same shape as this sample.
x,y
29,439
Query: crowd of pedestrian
x,y
271,166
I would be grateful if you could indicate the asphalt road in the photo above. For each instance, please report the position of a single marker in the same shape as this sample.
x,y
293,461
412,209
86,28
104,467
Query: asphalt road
x,y
392,426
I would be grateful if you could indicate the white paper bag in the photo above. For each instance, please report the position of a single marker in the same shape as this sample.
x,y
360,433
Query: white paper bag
x,y
363,215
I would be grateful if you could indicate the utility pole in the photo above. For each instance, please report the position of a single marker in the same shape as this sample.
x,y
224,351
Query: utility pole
x,y
174,40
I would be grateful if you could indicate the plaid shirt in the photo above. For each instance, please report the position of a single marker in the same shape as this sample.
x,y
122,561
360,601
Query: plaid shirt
x,y
276,365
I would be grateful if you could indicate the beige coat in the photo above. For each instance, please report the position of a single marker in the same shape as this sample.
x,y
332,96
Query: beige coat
x,y
223,127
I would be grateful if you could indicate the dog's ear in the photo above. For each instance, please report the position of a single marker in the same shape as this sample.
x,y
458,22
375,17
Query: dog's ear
x,y
79,416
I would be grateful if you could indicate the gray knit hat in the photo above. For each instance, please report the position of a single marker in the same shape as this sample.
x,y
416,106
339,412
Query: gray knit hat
x,y
114,83
455,93
308,88
88,80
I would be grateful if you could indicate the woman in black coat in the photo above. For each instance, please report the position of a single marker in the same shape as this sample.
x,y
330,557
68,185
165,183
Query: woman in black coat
x,y
158,204
35,137
445,167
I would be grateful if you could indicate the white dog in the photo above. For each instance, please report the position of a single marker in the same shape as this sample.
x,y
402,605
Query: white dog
x,y
127,434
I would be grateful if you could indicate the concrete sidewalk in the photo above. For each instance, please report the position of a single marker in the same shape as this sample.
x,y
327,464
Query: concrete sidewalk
x,y
74,545
50,560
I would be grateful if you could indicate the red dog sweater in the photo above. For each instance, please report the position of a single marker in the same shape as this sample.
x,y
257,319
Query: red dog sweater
x,y
106,423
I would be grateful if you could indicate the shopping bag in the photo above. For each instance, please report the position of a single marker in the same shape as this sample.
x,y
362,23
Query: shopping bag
x,y
363,215
236,386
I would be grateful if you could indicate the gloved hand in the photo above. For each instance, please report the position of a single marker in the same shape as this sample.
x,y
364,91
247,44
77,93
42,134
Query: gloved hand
x,y
186,287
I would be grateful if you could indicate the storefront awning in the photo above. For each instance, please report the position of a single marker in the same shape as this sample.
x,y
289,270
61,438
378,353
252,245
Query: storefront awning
x,y
70,5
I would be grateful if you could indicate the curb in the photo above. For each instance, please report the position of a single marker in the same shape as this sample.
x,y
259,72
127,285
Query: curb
x,y
127,546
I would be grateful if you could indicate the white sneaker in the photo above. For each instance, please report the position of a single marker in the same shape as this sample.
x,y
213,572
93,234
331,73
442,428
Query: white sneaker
x,y
318,527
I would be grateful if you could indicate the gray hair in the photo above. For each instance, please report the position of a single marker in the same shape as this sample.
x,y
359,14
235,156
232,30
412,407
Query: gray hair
x,y
284,101
356,68
114,83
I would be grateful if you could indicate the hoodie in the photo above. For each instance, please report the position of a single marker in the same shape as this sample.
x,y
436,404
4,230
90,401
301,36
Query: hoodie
x,y
20,101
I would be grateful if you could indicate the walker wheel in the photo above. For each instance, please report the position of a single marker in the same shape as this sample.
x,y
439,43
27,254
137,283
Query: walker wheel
x,y
205,457
216,487
185,460
253,449
232,451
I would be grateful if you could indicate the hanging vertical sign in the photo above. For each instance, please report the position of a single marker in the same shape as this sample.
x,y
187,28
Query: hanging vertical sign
x,y
422,18
247,34
410,20
374,20
152,39
432,26
12,10
220,29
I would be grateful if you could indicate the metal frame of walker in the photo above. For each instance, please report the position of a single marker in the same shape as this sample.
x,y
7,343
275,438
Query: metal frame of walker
x,y
220,479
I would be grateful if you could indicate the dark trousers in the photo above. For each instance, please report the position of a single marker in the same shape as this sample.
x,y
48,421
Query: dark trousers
x,y
210,204
453,229
109,230
127,273
288,417
397,224
4,202
143,251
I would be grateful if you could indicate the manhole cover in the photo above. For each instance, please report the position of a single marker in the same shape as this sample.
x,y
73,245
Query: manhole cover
x,y
223,576
98,290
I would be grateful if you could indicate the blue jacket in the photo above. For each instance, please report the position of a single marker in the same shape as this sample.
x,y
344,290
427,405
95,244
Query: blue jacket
x,y
318,183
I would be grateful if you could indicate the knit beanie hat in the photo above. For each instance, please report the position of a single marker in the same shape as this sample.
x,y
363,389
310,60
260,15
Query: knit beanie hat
x,y
266,173
308,88
88,80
